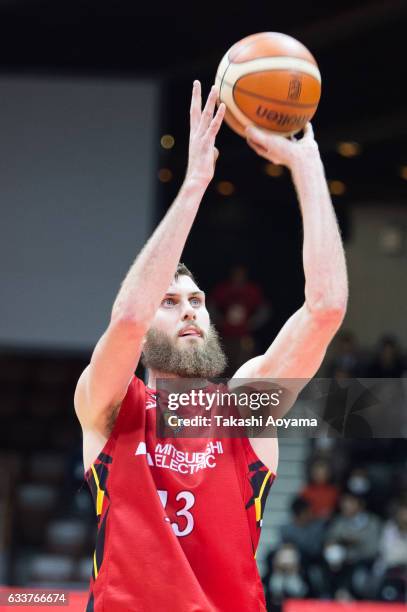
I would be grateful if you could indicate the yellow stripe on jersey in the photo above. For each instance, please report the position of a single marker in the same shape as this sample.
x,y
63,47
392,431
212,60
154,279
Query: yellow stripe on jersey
x,y
95,567
257,500
100,493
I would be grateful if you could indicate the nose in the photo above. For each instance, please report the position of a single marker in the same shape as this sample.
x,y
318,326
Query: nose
x,y
188,314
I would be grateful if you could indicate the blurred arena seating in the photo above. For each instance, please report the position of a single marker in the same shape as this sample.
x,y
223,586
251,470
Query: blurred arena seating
x,y
47,523
357,548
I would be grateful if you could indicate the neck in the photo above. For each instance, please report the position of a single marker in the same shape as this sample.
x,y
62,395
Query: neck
x,y
184,383
153,375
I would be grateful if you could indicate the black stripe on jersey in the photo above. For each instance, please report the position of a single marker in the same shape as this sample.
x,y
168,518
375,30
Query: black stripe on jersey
x,y
105,458
103,472
257,476
91,604
100,543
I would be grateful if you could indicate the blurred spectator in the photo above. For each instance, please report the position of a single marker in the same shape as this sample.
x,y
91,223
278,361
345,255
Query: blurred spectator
x,y
340,373
285,579
358,482
373,483
332,580
355,529
346,361
305,532
331,451
392,564
352,545
320,492
393,543
239,309
388,361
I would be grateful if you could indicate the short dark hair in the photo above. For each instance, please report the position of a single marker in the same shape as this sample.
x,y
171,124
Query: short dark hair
x,y
182,270
299,505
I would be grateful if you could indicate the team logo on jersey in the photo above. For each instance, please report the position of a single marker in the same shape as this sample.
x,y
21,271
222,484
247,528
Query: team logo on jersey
x,y
142,450
167,456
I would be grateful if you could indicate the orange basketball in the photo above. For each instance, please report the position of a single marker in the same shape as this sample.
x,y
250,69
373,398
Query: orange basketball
x,y
270,80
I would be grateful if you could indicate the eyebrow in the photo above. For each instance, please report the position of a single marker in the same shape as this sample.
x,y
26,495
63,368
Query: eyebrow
x,y
193,293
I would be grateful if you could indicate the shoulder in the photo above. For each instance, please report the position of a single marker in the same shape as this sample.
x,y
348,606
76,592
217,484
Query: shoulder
x,y
120,414
247,370
266,450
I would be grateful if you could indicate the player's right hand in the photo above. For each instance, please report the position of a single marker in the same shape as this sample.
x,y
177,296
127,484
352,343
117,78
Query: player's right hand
x,y
204,128
281,150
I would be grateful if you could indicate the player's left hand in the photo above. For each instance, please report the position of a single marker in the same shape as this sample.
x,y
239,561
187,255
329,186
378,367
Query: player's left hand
x,y
282,150
203,131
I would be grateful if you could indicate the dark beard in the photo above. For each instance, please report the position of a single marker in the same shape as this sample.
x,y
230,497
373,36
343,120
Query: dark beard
x,y
161,354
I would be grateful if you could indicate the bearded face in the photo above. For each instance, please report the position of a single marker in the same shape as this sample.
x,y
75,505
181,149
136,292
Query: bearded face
x,y
181,340
183,357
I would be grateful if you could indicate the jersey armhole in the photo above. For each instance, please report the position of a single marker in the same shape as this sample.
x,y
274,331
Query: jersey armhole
x,y
252,456
113,434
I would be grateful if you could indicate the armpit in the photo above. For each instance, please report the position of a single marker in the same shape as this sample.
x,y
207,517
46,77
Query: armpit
x,y
111,419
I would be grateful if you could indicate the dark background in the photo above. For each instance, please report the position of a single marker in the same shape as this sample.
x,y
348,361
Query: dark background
x,y
359,49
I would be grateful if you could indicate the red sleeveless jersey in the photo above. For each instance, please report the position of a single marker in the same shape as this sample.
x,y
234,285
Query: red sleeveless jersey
x,y
179,519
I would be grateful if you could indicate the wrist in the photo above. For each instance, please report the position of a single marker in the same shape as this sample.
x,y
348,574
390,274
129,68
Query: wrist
x,y
194,185
302,164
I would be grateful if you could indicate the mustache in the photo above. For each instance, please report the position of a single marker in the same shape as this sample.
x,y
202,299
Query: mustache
x,y
194,326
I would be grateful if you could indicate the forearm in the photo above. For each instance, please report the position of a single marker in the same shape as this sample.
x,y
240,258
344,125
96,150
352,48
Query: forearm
x,y
326,285
153,270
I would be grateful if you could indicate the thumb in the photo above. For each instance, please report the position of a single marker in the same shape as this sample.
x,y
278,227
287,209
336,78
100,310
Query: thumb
x,y
215,155
308,131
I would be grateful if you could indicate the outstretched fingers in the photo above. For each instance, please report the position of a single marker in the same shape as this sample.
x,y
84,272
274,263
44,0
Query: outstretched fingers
x,y
196,106
207,112
216,122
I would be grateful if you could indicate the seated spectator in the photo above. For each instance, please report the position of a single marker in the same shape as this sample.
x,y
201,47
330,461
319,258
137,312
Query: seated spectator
x,y
393,543
286,579
305,532
388,361
373,483
346,360
358,482
320,492
239,309
357,530
333,452
392,564
332,579
357,533
340,373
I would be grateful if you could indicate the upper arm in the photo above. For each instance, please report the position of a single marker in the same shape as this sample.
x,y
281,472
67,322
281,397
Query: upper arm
x,y
299,348
293,358
103,383
296,353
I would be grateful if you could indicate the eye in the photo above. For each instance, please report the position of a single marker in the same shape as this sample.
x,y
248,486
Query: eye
x,y
195,301
168,302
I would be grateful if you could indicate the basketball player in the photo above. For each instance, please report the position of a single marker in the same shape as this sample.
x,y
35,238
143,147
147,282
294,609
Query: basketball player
x,y
179,519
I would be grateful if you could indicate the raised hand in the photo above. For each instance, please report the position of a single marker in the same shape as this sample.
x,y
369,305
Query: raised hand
x,y
204,128
281,150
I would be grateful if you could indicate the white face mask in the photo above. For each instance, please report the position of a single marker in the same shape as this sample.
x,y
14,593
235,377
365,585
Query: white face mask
x,y
358,484
335,554
288,557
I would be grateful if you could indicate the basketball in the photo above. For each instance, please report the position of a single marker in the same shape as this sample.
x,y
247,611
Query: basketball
x,y
270,80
